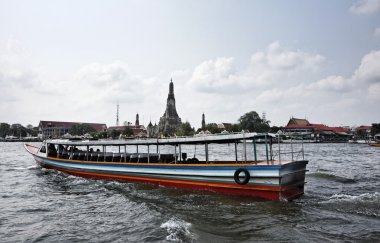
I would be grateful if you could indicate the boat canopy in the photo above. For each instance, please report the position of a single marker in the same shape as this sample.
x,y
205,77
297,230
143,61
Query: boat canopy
x,y
215,138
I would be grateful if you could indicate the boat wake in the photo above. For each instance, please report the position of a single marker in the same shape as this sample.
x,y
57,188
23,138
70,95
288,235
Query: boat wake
x,y
366,203
178,230
332,177
32,167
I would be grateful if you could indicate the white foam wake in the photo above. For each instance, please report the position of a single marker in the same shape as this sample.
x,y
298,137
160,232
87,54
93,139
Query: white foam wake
x,y
365,197
178,230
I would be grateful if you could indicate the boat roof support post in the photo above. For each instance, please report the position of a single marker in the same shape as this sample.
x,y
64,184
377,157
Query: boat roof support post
x,y
244,147
87,147
279,148
270,148
47,150
180,152
206,151
303,154
104,153
236,157
175,153
266,147
254,149
125,153
148,155
291,146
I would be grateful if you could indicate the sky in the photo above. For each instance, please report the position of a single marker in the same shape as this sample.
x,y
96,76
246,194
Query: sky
x,y
75,60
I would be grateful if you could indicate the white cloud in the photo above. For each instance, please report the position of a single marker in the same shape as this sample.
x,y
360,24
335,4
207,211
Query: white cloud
x,y
369,69
274,65
215,76
277,57
331,83
374,91
376,33
363,7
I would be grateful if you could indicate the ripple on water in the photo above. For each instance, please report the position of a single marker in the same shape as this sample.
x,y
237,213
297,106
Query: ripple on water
x,y
332,177
367,203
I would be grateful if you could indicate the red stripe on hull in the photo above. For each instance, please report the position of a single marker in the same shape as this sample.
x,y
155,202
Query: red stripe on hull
x,y
269,192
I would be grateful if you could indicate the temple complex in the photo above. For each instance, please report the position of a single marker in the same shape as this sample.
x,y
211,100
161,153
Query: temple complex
x,y
170,121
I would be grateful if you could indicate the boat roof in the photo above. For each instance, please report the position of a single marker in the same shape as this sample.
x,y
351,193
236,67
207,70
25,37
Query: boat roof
x,y
213,138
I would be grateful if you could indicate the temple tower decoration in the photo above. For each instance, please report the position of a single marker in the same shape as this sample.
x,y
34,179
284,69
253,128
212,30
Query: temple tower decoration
x,y
203,121
170,120
137,123
152,130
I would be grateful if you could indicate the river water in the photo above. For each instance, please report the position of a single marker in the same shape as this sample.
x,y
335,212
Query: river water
x,y
341,204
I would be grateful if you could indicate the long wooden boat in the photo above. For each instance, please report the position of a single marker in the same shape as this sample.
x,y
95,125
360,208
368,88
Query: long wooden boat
x,y
267,178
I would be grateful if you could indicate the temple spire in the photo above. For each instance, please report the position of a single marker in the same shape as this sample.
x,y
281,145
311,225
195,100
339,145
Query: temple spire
x,y
170,120
171,88
137,123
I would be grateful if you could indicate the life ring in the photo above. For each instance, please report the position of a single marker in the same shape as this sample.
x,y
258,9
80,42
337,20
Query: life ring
x,y
246,176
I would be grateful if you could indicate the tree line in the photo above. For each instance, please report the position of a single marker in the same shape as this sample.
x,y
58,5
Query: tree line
x,y
82,129
250,121
17,130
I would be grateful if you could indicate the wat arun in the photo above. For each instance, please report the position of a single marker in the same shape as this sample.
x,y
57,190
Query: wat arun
x,y
170,121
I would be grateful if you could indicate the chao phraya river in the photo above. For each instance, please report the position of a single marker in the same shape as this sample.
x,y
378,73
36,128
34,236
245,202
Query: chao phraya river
x,y
341,204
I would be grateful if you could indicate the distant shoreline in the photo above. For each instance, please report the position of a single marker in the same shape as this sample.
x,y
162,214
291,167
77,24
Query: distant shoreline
x,y
21,140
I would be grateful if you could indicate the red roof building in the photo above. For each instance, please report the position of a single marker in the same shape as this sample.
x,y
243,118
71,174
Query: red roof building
x,y
302,127
364,128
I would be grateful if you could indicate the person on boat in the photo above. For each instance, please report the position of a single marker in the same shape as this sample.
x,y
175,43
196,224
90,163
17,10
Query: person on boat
x,y
52,151
61,148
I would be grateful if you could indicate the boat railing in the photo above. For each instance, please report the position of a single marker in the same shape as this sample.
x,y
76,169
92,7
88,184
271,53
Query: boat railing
x,y
292,154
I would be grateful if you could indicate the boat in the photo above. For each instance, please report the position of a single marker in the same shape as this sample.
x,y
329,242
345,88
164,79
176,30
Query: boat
x,y
266,177
376,141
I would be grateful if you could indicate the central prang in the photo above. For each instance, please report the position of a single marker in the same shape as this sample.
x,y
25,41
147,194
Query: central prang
x,y
170,121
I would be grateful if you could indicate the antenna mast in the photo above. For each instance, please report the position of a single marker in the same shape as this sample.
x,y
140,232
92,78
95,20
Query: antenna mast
x,y
117,114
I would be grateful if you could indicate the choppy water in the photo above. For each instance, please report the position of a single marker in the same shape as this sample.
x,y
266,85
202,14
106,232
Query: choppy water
x,y
341,203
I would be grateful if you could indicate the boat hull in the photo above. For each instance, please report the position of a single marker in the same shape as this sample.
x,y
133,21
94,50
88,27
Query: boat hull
x,y
275,182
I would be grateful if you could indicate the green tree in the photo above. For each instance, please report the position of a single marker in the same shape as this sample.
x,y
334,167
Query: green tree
x,y
18,130
252,122
98,135
274,129
185,129
5,129
81,129
114,134
375,129
128,132
213,128
234,128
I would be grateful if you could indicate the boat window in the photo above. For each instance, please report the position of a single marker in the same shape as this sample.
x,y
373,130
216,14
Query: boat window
x,y
43,149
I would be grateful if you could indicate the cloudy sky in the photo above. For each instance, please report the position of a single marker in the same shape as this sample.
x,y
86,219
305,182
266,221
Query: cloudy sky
x,y
73,60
